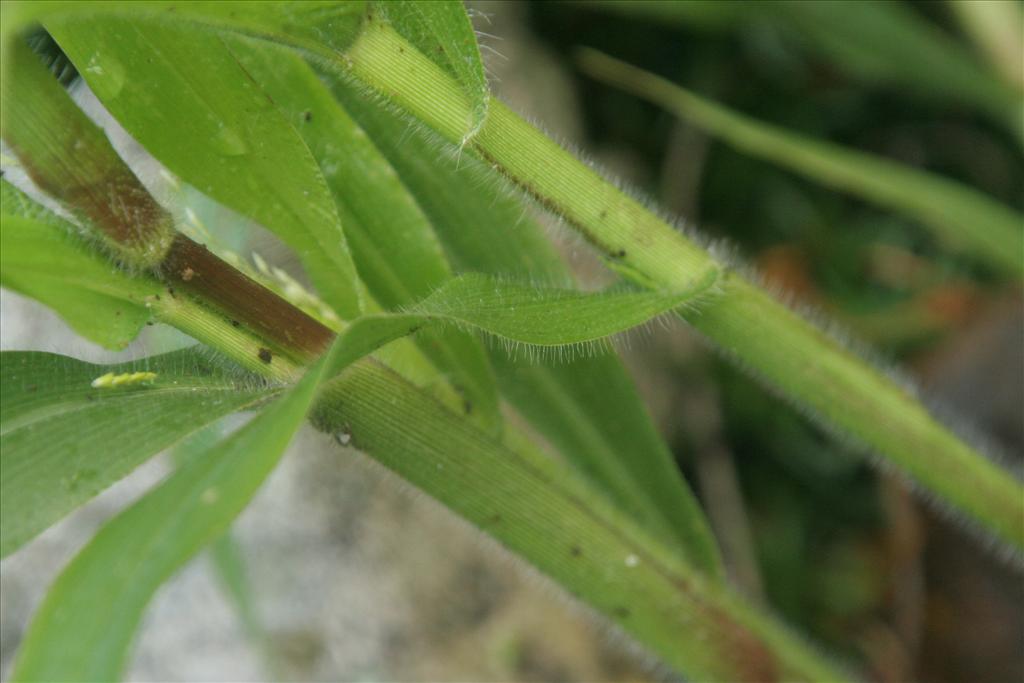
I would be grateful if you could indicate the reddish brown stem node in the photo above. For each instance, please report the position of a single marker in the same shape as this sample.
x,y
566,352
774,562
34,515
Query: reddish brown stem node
x,y
193,268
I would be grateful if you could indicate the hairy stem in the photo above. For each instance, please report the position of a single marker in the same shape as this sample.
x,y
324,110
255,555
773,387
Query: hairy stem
x,y
528,501
811,368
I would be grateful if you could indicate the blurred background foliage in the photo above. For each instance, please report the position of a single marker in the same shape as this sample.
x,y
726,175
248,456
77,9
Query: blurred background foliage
x,y
836,548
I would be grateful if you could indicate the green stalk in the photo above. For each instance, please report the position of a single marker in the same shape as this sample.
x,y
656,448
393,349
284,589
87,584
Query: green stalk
x,y
809,367
528,501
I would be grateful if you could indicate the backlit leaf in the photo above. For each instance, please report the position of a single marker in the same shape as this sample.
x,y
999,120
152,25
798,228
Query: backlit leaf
x,y
190,104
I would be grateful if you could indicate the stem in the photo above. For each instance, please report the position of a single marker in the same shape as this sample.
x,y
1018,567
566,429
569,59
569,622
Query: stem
x,y
196,269
70,158
809,367
213,329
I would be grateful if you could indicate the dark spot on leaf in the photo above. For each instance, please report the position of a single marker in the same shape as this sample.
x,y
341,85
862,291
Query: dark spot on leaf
x,y
467,406
575,551
170,290
621,253
307,115
621,612
604,214
265,355
235,323
494,519
157,297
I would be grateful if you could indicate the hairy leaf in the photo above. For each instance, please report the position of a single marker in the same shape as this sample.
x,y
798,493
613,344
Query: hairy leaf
x,y
187,511
62,440
516,314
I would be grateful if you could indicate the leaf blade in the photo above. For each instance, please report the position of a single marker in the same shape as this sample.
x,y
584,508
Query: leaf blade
x,y
215,128
64,441
392,241
515,313
42,258
93,608
879,43
544,512
320,27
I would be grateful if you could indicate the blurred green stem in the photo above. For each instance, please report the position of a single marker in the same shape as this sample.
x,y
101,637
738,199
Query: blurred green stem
x,y
957,214
996,27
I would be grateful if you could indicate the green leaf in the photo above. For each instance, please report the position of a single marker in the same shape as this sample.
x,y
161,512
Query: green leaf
x,y
190,104
587,407
225,555
543,512
392,241
62,441
548,316
84,627
516,314
41,257
320,27
875,41
481,227
994,27
890,43
959,215
441,30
